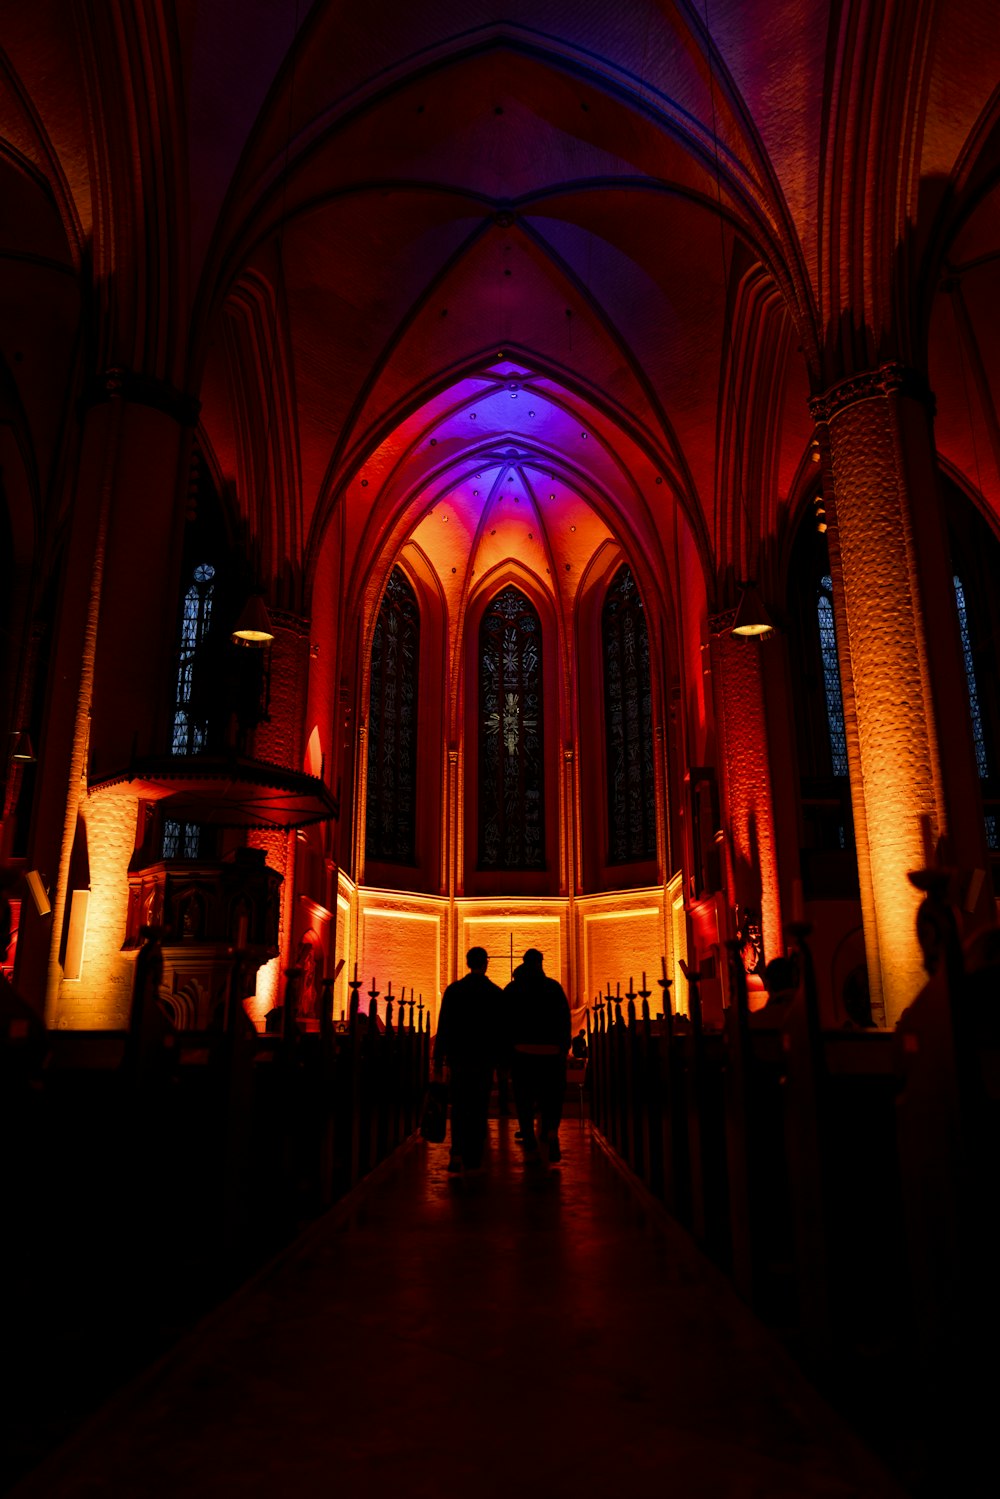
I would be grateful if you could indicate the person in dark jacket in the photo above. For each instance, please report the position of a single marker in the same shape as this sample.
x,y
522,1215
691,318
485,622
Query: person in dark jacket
x,y
538,1035
467,1043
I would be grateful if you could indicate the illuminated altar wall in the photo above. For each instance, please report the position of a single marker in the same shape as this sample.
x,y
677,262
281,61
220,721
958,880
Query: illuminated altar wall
x,y
421,941
403,938
509,926
618,937
345,945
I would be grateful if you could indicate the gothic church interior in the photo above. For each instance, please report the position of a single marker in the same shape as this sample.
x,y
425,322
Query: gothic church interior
x,y
406,413
396,321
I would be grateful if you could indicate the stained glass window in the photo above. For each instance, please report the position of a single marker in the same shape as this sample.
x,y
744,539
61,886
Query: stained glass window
x,y
182,840
970,678
831,677
978,737
511,790
628,723
392,725
189,734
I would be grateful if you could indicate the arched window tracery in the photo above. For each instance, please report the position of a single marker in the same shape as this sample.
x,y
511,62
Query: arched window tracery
x,y
831,676
975,710
189,732
511,769
182,840
827,850
979,740
390,829
628,723
975,574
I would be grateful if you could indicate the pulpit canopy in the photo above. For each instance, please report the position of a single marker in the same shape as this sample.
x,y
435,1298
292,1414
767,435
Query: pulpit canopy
x,y
231,791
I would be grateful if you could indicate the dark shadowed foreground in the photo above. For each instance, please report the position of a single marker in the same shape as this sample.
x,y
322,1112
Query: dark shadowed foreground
x,y
518,1333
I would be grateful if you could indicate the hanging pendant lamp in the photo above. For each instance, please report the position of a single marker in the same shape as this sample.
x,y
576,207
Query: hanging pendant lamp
x,y
253,628
22,749
751,616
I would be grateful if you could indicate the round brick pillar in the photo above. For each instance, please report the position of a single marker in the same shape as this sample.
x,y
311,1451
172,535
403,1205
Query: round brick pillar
x,y
909,737
113,649
741,721
280,740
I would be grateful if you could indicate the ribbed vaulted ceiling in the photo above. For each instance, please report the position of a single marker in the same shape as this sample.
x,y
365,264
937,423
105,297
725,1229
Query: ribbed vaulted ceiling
x,y
674,217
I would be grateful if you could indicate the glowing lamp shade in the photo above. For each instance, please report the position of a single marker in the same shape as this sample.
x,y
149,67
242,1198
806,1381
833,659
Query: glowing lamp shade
x,y
22,751
253,628
751,616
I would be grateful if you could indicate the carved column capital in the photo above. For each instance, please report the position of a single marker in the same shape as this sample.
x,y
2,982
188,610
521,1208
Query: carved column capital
x,y
887,380
285,620
721,623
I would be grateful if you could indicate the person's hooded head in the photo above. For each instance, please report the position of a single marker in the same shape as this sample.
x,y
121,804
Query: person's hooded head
x,y
533,961
781,980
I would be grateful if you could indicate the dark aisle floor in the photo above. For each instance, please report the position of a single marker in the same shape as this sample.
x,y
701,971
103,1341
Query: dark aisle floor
x,y
515,1335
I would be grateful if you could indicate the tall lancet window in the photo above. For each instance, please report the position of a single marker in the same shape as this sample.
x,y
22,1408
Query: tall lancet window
x,y
189,733
831,677
511,810
628,724
978,738
182,840
975,711
392,726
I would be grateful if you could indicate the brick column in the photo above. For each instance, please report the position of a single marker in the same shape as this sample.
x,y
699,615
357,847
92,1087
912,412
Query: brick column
x,y
906,709
280,740
112,653
741,719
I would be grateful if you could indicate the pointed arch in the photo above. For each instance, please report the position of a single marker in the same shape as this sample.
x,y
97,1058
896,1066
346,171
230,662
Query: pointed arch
x,y
511,735
628,723
390,825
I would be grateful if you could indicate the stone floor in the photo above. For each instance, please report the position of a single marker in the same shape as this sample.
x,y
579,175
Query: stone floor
x,y
521,1333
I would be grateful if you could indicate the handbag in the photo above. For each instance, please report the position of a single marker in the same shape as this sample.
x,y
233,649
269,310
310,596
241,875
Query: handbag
x,y
434,1114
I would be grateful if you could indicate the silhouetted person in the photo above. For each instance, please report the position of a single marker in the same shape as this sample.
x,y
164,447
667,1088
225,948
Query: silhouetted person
x,y
538,1031
467,1043
781,980
857,1001
579,1047
282,1020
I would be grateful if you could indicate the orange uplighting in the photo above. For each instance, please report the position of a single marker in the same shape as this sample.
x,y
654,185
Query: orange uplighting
x,y
624,938
101,997
740,694
893,747
265,995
